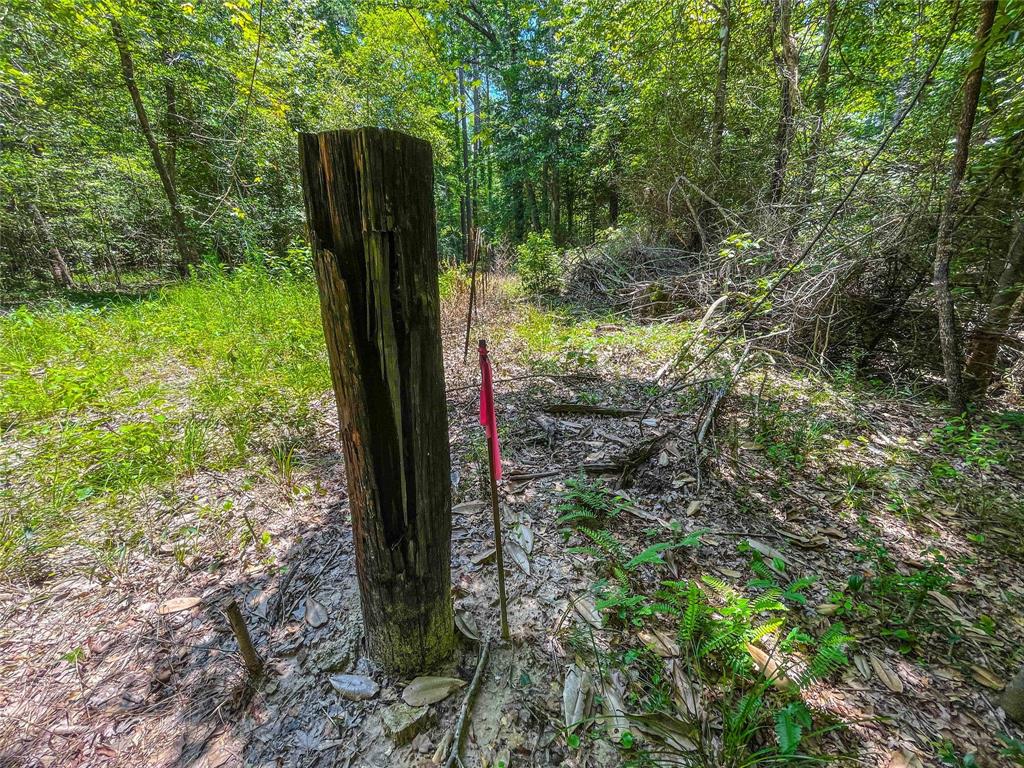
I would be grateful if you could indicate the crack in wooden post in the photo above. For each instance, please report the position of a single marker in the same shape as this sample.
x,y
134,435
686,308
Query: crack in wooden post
x,y
370,213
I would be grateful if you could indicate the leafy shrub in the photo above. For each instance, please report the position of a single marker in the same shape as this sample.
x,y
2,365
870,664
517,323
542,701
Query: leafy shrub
x,y
537,264
452,281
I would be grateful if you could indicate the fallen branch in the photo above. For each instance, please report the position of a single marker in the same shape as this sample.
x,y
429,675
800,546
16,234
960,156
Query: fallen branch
x,y
568,376
252,659
709,415
460,726
629,460
591,410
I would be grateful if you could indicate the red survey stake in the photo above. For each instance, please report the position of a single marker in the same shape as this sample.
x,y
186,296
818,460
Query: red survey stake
x,y
488,419
489,422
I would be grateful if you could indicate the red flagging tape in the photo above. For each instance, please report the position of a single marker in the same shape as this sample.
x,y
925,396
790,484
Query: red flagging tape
x,y
488,420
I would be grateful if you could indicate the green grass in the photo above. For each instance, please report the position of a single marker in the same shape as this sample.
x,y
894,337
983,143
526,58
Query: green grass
x,y
554,340
100,406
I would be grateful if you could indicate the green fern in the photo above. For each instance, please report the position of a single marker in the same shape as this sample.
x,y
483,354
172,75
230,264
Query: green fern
x,y
650,556
830,655
607,546
790,723
573,515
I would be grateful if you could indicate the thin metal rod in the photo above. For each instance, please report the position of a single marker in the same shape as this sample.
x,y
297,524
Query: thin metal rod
x,y
474,247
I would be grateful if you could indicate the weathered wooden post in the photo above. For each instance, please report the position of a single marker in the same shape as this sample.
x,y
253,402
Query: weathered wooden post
x,y
370,213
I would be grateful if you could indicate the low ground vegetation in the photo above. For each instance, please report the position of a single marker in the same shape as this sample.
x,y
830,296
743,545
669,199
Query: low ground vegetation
x,y
807,584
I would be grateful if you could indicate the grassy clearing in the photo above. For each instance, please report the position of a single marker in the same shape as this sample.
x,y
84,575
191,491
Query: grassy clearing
x,y
101,405
554,340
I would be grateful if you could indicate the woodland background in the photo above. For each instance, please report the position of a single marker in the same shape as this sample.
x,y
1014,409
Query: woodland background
x,y
156,137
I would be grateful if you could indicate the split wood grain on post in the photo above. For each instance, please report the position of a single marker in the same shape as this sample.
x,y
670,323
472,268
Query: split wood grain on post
x,y
370,212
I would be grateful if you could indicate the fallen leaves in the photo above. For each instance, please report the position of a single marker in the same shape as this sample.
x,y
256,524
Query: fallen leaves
x,y
687,698
768,551
904,758
316,614
178,604
769,667
430,690
584,607
354,687
885,673
518,555
986,678
576,693
660,642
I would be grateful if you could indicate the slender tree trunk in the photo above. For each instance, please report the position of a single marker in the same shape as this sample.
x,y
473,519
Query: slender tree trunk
x,y
477,165
556,205
789,76
531,204
467,184
570,208
721,84
173,124
819,101
371,222
989,335
948,337
182,241
820,98
59,269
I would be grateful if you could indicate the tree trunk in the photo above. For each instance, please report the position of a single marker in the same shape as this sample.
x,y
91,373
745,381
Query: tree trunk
x,y
989,335
477,147
186,251
789,76
370,213
59,269
721,85
467,184
948,338
173,124
819,101
531,204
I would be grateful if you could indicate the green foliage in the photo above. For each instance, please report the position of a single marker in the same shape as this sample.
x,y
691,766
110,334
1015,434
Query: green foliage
x,y
537,264
587,503
978,447
1012,748
716,626
94,431
898,595
790,723
453,281
789,437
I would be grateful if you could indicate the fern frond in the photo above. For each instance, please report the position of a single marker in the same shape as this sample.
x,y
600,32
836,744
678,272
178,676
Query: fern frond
x,y
759,632
723,590
695,610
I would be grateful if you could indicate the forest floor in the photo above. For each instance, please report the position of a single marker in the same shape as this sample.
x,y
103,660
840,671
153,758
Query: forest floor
x,y
163,454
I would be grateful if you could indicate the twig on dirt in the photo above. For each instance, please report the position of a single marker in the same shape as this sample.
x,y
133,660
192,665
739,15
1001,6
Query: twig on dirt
x,y
518,477
282,591
628,461
775,478
460,725
252,659
671,364
717,398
